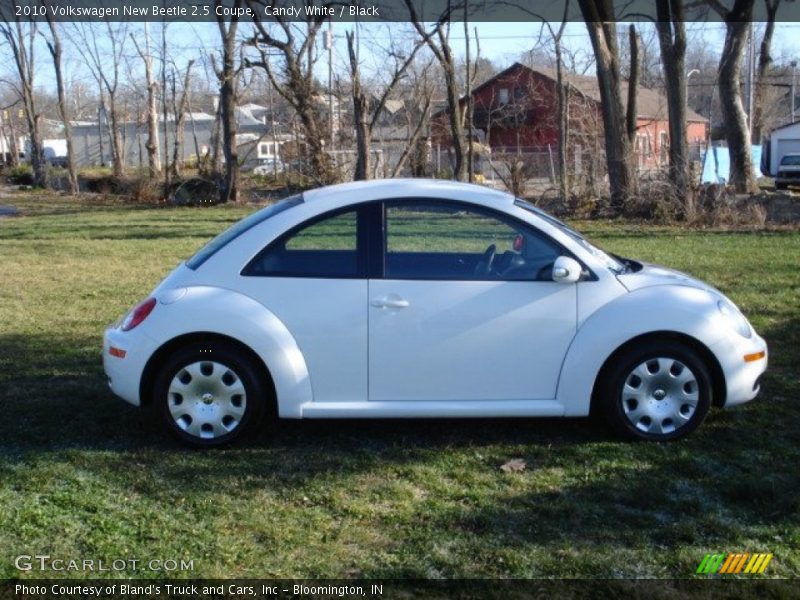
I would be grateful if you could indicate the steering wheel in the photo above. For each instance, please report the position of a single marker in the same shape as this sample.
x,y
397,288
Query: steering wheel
x,y
484,266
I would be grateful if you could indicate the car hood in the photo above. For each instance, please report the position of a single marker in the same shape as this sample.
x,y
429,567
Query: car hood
x,y
650,275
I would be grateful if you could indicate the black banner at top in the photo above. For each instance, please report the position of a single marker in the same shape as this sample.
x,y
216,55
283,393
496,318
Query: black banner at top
x,y
369,10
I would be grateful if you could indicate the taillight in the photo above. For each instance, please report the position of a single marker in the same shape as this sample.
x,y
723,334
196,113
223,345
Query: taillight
x,y
138,314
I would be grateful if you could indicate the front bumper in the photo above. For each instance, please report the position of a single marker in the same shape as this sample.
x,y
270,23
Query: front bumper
x,y
125,366
742,377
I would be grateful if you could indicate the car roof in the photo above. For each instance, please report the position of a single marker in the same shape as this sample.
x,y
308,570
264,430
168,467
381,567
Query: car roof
x,y
376,189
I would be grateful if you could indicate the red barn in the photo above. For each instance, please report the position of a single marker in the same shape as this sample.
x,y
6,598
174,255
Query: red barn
x,y
517,111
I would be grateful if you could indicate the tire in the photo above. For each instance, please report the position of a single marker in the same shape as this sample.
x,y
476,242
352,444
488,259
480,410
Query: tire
x,y
656,391
210,395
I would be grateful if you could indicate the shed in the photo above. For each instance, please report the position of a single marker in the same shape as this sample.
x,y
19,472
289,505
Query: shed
x,y
781,141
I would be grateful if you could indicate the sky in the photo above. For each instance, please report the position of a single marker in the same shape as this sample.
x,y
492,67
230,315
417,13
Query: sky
x,y
501,42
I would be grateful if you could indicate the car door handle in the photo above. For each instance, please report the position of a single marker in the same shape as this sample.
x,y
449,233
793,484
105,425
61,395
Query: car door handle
x,y
389,302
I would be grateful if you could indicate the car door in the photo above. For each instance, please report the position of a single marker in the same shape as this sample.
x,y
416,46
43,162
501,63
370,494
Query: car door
x,y
313,278
452,320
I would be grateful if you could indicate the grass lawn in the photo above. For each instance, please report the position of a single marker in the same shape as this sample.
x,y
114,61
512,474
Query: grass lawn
x,y
83,475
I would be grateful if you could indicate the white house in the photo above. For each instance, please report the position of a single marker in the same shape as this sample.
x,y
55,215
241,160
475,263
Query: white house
x,y
781,141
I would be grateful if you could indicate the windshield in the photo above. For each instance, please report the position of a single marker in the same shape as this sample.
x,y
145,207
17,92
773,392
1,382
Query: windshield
x,y
239,228
609,261
791,161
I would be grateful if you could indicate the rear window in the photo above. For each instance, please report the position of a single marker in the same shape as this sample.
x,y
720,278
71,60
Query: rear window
x,y
791,161
239,228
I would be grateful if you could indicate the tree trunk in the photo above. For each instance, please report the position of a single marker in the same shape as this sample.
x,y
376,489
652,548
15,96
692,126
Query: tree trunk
x,y
360,110
22,48
13,147
227,97
764,65
563,118
54,45
152,145
468,100
633,87
737,25
672,42
602,30
117,150
733,114
444,55
180,120
454,113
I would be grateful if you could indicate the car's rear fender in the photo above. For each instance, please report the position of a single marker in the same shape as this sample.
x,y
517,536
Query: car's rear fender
x,y
217,311
672,309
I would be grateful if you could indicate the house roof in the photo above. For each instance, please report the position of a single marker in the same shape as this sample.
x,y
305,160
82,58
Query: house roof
x,y
650,104
785,126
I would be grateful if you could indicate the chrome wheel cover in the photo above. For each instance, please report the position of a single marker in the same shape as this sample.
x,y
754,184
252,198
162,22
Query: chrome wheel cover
x,y
660,396
206,399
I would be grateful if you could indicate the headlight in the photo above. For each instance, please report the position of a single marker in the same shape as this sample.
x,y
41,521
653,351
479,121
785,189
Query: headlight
x,y
736,319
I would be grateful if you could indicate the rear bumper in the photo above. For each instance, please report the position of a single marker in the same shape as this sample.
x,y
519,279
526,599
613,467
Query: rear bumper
x,y
125,354
793,179
742,377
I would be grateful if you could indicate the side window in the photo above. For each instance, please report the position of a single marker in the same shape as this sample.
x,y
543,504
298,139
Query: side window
x,y
430,240
325,248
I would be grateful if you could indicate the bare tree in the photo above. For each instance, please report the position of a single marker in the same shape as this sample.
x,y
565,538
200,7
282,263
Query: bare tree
x,y
737,25
444,55
671,29
600,23
153,155
21,40
562,90
54,46
366,114
418,114
104,56
179,104
227,75
294,81
764,65
633,85
8,131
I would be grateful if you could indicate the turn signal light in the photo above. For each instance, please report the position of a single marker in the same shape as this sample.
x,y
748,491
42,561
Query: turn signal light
x,y
754,356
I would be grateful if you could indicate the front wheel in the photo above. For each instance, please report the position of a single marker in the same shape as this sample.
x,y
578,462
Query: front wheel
x,y
657,391
209,395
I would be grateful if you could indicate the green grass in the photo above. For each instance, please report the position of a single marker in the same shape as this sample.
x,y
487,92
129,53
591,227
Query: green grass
x,y
83,475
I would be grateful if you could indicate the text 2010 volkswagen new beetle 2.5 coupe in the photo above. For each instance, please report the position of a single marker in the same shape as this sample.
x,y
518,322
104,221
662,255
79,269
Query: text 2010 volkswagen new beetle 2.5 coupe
x,y
419,298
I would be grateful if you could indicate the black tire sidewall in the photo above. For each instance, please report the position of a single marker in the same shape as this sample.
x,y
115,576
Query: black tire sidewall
x,y
615,380
232,358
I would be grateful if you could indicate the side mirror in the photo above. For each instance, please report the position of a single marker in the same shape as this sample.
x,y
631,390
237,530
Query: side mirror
x,y
566,270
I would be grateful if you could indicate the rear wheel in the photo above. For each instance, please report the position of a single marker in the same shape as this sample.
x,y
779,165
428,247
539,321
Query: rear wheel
x,y
210,395
657,391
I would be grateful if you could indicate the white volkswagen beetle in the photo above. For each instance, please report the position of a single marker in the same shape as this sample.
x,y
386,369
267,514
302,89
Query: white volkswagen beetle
x,y
418,298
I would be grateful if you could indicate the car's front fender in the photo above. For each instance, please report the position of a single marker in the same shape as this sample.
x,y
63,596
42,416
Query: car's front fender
x,y
221,311
665,308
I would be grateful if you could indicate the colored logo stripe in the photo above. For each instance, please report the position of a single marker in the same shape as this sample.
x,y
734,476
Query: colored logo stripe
x,y
734,563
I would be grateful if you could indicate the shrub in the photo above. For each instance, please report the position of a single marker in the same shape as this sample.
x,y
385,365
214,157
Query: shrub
x,y
20,175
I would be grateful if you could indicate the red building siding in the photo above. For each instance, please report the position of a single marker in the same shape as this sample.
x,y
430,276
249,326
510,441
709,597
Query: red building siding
x,y
517,110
